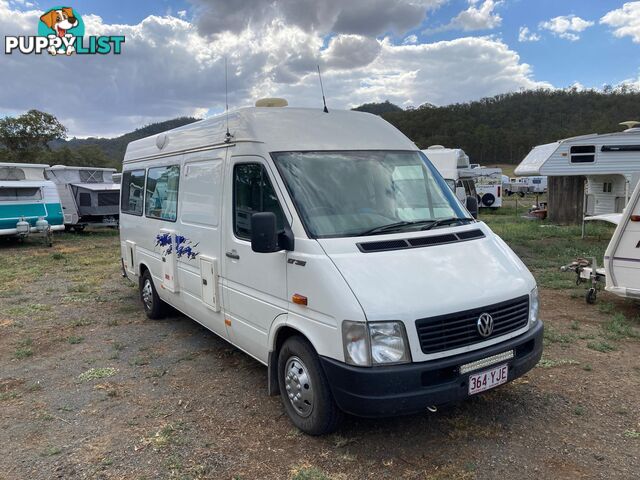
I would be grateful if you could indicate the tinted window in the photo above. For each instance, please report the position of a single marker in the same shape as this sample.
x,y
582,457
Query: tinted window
x,y
161,200
252,193
583,154
85,199
11,173
16,194
132,192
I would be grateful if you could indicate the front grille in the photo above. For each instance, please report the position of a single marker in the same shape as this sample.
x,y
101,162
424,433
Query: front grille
x,y
455,330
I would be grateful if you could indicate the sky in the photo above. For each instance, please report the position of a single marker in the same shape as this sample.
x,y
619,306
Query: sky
x,y
409,52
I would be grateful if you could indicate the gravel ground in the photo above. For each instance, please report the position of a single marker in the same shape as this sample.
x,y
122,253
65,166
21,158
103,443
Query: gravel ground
x,y
89,388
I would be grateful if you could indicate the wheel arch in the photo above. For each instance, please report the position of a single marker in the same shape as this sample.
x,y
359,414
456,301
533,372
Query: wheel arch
x,y
281,332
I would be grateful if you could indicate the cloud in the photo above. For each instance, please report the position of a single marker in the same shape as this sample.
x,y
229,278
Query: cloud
x,y
567,26
625,21
525,35
479,16
362,17
169,68
410,39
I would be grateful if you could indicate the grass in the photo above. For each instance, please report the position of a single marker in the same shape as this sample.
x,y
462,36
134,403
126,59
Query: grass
x,y
601,346
553,336
632,433
308,473
24,349
75,340
97,373
619,328
549,363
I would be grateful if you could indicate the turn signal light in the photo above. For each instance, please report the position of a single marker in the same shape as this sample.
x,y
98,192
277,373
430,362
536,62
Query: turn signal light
x,y
299,299
635,218
227,322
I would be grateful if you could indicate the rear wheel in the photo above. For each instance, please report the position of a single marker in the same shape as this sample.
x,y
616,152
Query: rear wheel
x,y
154,307
305,390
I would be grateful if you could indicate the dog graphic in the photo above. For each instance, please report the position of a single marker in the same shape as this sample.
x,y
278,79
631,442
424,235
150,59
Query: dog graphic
x,y
60,21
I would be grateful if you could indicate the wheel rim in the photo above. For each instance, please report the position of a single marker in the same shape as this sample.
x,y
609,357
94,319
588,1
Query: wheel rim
x,y
147,294
299,388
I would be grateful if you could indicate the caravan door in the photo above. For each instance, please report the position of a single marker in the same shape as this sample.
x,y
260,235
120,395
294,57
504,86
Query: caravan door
x,y
255,284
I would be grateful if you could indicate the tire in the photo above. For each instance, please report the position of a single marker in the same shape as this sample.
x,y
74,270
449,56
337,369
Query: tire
x,y
521,194
299,370
488,199
153,306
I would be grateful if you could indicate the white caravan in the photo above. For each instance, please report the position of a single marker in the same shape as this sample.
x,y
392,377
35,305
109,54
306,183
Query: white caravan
x,y
453,165
523,185
89,195
489,186
327,247
622,258
28,202
610,163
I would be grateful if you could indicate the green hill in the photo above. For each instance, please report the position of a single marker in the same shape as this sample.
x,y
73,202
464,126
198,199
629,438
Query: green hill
x,y
504,128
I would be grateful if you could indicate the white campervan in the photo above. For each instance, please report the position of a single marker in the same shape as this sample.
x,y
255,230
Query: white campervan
x,y
327,246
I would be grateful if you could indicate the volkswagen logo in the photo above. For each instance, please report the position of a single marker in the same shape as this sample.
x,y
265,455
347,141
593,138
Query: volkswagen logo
x,y
485,325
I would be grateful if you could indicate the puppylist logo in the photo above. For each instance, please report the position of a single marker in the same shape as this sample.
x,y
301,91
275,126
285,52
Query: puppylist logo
x,y
61,32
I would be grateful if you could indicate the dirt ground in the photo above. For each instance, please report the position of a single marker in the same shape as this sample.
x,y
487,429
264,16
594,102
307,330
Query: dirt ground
x,y
89,388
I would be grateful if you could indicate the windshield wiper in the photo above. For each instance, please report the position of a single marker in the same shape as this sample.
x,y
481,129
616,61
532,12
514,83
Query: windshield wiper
x,y
391,227
446,221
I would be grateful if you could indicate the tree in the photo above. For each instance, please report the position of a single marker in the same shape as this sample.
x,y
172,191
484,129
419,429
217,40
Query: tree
x,y
27,136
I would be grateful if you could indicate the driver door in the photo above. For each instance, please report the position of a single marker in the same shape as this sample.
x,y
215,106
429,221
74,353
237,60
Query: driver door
x,y
255,286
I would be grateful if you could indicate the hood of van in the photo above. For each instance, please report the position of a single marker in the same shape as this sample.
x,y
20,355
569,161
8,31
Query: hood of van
x,y
411,283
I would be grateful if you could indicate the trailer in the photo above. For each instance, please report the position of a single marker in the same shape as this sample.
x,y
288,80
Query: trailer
x,y
89,195
489,186
29,204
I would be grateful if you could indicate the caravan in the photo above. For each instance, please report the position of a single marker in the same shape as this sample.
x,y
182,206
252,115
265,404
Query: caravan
x,y
327,247
89,195
28,202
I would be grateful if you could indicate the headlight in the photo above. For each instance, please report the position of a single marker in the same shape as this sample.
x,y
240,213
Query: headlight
x,y
388,343
378,343
534,305
355,341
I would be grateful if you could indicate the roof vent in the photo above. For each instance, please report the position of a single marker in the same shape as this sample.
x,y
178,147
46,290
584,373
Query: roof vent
x,y
161,140
632,125
271,102
435,147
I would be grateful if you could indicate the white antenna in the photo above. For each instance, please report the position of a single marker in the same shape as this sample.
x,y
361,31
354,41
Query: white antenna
x,y
226,100
326,110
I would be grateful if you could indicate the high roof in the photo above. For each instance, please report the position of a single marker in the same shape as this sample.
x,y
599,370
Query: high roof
x,y
71,167
279,129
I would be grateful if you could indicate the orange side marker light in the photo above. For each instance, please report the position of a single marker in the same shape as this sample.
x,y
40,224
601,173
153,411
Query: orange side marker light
x,y
299,299
635,218
227,322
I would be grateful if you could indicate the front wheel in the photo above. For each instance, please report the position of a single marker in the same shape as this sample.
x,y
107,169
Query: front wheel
x,y
305,390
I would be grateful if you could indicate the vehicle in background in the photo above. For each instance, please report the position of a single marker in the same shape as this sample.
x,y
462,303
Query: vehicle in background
x,y
610,163
89,195
327,247
488,182
526,185
453,165
29,204
117,178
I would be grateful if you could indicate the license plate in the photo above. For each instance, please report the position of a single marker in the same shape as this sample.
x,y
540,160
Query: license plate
x,y
479,382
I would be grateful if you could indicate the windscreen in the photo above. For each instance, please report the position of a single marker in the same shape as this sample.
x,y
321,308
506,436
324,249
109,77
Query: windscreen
x,y
349,193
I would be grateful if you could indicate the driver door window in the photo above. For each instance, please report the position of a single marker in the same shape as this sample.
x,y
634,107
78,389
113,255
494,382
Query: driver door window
x,y
252,193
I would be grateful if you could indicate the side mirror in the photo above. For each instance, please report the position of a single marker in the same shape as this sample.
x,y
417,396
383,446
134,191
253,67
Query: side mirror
x,y
472,206
265,237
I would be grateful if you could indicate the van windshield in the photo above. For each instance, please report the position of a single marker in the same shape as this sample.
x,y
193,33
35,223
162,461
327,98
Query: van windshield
x,y
352,193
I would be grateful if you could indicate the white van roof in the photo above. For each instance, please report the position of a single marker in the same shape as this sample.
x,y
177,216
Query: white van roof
x,y
280,129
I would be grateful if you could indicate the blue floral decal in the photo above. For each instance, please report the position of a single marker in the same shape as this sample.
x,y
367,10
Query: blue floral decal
x,y
184,246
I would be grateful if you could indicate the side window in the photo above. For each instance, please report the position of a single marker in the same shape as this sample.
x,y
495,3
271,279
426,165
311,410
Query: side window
x,y
252,193
161,199
583,154
132,192
606,187
85,199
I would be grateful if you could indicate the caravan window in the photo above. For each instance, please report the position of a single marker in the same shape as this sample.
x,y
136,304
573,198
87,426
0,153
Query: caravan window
x,y
132,192
19,194
253,193
11,173
91,176
607,187
161,200
583,154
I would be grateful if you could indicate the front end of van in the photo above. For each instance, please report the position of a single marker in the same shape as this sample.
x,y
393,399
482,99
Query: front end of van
x,y
448,310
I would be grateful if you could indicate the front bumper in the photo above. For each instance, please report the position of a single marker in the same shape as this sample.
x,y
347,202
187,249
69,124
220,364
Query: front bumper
x,y
410,388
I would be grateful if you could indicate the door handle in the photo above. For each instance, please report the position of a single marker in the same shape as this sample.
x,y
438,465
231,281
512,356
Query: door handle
x,y
233,254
